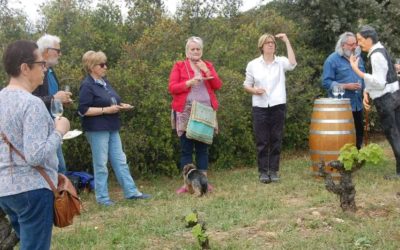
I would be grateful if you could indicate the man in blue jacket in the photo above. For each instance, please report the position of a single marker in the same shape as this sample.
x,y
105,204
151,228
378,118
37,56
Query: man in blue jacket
x,y
337,71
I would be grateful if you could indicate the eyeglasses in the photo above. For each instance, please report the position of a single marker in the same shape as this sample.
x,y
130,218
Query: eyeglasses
x,y
55,49
351,44
42,63
102,65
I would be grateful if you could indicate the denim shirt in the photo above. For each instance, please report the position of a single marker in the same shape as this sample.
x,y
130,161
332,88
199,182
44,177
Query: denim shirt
x,y
337,69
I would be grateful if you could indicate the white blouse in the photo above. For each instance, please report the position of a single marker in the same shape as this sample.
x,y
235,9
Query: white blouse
x,y
270,77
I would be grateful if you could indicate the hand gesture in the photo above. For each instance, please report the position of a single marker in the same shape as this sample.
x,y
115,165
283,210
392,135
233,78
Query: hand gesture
x,y
64,96
282,36
201,65
354,61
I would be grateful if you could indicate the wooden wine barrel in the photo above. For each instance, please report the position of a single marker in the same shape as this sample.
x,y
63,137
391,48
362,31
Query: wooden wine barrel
x,y
332,126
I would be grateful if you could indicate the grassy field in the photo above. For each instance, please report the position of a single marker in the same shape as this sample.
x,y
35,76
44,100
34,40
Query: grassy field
x,y
241,213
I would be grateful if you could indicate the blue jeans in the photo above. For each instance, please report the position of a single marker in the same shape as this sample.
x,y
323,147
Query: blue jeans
x,y
31,215
106,144
62,168
187,152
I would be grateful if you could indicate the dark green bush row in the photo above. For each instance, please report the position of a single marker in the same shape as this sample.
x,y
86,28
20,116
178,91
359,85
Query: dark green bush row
x,y
141,53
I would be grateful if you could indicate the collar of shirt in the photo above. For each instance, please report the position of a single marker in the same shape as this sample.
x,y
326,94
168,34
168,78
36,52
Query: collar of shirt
x,y
101,82
374,47
261,58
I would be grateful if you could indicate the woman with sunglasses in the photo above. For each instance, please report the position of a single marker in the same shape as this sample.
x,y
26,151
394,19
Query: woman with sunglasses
x,y
29,137
99,107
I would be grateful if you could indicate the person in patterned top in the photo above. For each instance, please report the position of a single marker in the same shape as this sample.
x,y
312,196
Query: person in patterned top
x,y
26,125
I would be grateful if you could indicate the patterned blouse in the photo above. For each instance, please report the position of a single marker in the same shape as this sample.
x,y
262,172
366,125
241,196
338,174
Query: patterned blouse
x,y
27,124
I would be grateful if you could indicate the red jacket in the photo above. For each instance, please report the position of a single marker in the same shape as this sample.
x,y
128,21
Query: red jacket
x,y
178,89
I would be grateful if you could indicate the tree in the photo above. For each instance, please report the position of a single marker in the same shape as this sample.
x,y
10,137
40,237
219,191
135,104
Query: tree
x,y
325,19
142,15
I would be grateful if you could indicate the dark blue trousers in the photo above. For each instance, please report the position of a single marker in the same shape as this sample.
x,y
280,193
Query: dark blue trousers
x,y
201,151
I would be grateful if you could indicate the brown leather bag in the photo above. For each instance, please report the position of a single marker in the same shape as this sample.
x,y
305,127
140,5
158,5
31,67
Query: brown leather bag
x,y
66,201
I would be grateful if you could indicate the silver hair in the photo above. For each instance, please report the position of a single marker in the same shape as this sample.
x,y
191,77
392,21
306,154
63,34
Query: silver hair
x,y
342,40
47,41
195,39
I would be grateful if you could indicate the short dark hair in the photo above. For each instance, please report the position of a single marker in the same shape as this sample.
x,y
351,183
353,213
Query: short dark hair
x,y
367,31
17,53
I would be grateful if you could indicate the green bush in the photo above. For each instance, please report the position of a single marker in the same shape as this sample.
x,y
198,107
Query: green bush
x,y
141,53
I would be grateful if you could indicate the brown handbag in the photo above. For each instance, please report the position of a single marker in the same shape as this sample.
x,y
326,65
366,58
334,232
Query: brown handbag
x,y
66,201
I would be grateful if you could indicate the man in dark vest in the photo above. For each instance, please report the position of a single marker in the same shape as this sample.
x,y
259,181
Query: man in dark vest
x,y
49,47
382,86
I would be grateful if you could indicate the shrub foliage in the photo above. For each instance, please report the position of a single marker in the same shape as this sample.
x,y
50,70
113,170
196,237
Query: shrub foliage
x,y
143,47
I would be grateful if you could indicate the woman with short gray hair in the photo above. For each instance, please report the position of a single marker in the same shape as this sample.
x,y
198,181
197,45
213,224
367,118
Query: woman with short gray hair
x,y
192,79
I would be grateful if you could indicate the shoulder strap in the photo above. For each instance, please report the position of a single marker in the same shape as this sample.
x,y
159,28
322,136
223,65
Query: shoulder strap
x,y
43,173
40,169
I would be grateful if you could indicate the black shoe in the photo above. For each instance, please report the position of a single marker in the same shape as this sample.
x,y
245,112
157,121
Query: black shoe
x,y
264,178
274,177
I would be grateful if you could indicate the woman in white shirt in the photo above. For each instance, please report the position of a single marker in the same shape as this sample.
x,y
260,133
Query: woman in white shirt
x,y
265,80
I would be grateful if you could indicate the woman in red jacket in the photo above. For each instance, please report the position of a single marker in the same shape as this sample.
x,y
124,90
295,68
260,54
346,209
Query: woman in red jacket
x,y
192,80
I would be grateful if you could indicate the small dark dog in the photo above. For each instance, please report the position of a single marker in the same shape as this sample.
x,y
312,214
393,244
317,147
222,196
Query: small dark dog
x,y
195,180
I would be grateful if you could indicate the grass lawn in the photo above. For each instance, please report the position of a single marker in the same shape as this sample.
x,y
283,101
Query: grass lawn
x,y
241,213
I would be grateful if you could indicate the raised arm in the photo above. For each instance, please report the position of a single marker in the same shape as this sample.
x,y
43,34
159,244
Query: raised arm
x,y
290,52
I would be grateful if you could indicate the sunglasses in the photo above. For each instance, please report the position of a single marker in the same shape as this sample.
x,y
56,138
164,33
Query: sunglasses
x,y
102,65
55,49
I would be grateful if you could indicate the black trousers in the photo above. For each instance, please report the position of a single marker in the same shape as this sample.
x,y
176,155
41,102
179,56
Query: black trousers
x,y
268,124
388,107
359,125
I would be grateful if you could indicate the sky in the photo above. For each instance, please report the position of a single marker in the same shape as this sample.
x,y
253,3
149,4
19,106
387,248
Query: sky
x,y
31,6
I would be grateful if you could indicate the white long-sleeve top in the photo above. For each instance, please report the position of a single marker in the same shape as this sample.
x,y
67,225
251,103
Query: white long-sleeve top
x,y
270,77
375,83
